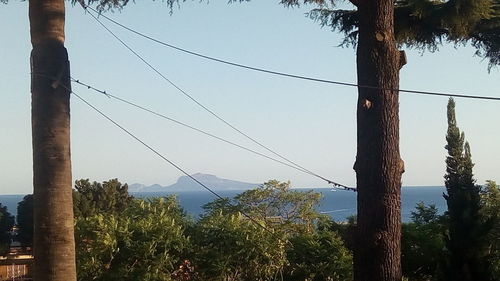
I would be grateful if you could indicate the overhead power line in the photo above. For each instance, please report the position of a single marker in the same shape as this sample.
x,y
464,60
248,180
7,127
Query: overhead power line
x,y
132,135
167,160
335,184
107,94
284,74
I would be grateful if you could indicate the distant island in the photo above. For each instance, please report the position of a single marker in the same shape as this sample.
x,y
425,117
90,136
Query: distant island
x,y
185,183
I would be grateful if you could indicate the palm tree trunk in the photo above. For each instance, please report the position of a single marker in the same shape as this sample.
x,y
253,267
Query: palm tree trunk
x,y
378,165
54,246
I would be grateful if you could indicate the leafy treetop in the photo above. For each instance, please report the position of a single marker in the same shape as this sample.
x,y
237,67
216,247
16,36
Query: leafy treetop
x,y
273,202
426,24
90,198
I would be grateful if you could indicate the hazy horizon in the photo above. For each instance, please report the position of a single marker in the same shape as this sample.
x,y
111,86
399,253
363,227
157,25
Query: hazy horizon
x,y
310,123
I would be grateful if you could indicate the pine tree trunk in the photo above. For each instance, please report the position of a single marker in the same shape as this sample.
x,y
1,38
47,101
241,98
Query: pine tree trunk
x,y
54,246
378,165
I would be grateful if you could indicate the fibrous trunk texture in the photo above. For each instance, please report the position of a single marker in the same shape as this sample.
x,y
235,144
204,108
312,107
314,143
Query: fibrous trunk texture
x,y
378,165
54,245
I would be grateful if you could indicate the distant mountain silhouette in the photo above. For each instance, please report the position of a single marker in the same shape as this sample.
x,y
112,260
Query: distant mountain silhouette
x,y
185,183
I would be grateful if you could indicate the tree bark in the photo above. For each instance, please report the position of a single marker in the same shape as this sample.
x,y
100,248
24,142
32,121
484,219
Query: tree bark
x,y
54,246
378,165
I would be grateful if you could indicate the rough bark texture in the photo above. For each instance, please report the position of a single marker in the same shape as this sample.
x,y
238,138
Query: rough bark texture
x,y
54,246
378,165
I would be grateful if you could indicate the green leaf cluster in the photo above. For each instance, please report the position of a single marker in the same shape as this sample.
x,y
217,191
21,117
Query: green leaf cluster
x,y
426,255
145,242
320,255
490,202
91,198
274,203
269,233
285,239
426,24
422,245
282,239
233,247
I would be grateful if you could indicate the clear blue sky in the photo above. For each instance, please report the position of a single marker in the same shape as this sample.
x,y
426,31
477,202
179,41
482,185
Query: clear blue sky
x,y
311,123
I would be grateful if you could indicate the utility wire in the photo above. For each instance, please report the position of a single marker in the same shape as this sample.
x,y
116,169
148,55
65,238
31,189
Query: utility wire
x,y
164,158
168,161
182,123
57,83
289,75
335,184
194,128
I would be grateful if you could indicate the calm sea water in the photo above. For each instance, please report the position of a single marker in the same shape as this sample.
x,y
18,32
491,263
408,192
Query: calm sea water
x,y
339,204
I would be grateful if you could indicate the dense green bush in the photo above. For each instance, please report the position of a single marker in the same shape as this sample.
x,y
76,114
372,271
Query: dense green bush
x,y
146,242
317,256
233,247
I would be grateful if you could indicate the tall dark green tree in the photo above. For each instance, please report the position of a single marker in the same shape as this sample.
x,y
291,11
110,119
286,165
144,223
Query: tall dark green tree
x,y
25,221
467,238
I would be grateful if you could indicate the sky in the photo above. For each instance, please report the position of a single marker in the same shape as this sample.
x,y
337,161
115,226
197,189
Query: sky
x,y
310,123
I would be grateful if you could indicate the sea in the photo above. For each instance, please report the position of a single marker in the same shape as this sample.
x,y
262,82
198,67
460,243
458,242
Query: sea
x,y
338,204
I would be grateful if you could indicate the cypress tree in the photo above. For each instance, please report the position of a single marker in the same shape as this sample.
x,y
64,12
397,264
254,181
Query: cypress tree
x,y
466,239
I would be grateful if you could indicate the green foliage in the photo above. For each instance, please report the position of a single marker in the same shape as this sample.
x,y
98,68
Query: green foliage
x,y
25,220
425,215
426,254
232,247
486,38
97,206
111,5
422,244
490,201
320,255
221,205
153,240
345,229
467,237
302,246
146,242
6,223
110,197
273,203
426,24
